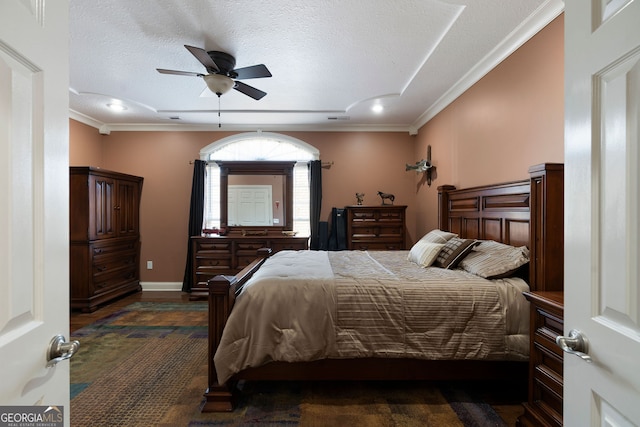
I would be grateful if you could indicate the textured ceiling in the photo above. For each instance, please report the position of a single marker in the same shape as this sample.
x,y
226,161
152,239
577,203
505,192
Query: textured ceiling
x,y
330,60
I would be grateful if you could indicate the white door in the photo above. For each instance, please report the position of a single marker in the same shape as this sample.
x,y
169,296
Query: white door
x,y
602,202
34,201
250,205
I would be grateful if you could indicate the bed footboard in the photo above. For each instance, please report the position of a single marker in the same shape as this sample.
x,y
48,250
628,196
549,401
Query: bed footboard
x,y
222,295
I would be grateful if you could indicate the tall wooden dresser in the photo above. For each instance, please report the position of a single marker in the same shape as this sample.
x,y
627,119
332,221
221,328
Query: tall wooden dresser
x,y
104,225
376,227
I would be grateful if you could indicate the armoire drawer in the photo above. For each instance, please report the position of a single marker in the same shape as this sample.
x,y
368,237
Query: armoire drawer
x,y
106,265
117,246
110,280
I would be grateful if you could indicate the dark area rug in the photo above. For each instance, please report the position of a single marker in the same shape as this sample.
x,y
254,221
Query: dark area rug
x,y
145,365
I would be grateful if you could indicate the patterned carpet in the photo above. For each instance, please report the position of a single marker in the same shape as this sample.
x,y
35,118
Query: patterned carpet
x,y
145,365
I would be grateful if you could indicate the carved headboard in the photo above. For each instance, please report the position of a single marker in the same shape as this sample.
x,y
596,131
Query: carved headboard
x,y
522,213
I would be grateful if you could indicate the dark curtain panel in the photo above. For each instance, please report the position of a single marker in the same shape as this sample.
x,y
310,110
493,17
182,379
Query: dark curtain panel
x,y
315,184
196,215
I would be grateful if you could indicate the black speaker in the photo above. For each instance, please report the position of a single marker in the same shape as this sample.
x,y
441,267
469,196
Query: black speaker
x,y
338,238
323,235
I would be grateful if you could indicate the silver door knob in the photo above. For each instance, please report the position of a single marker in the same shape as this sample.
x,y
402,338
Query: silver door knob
x,y
60,350
575,343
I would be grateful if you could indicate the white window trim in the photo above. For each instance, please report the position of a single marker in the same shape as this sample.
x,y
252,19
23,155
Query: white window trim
x,y
205,154
214,146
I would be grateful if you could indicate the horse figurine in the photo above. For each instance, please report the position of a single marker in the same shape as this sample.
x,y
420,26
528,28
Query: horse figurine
x,y
386,196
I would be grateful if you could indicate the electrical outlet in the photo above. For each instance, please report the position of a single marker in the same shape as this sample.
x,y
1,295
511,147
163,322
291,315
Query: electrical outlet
x,y
149,265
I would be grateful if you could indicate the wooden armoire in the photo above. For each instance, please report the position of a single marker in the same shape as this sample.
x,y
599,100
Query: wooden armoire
x,y
104,226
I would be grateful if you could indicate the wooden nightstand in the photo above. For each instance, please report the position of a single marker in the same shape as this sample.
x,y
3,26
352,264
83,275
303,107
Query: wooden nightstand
x,y
544,404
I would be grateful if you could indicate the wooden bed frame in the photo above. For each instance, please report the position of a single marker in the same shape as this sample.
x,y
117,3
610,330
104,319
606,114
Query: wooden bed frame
x,y
528,212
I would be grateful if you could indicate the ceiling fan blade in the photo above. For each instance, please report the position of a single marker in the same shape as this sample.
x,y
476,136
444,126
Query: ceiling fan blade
x,y
204,58
180,73
253,72
249,90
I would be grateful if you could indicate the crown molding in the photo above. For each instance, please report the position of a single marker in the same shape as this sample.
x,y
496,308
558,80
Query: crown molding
x,y
546,13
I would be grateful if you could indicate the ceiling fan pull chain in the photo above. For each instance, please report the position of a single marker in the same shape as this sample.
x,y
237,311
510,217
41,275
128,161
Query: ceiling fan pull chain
x,y
219,124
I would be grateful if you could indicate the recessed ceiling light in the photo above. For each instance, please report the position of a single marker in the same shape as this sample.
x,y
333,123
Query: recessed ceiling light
x,y
377,108
116,107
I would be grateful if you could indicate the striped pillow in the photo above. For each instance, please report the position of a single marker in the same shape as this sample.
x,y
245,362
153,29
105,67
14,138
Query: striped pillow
x,y
453,252
438,236
494,260
424,253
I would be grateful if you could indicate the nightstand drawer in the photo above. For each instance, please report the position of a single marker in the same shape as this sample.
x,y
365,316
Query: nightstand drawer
x,y
544,403
548,357
548,400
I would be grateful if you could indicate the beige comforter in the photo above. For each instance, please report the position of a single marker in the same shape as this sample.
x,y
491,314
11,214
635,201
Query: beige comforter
x,y
308,305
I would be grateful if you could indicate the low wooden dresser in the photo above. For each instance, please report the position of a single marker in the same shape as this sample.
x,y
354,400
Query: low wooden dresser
x,y
376,227
227,255
544,404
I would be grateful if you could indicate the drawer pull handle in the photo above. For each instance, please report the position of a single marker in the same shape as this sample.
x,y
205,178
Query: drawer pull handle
x,y
576,343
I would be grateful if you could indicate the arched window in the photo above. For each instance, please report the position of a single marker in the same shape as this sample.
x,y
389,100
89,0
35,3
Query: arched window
x,y
260,146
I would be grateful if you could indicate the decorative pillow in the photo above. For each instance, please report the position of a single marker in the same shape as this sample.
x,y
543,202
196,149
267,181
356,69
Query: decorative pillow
x,y
495,260
424,253
438,236
453,252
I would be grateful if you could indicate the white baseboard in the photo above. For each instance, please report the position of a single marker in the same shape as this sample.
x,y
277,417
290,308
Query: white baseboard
x,y
161,286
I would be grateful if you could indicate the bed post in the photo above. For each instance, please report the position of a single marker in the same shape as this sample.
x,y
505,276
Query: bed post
x,y
218,398
222,295
443,206
546,230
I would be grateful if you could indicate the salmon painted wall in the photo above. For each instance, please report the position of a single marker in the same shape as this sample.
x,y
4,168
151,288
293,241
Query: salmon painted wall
x,y
511,119
363,162
508,121
86,145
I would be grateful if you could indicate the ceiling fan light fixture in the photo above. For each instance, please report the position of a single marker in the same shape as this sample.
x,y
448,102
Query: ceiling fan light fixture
x,y
218,83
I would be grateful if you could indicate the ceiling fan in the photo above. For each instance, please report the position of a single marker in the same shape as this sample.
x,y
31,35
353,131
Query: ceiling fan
x,y
221,75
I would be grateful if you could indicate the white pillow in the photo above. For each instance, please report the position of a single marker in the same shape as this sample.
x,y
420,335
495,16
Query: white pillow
x,y
424,253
